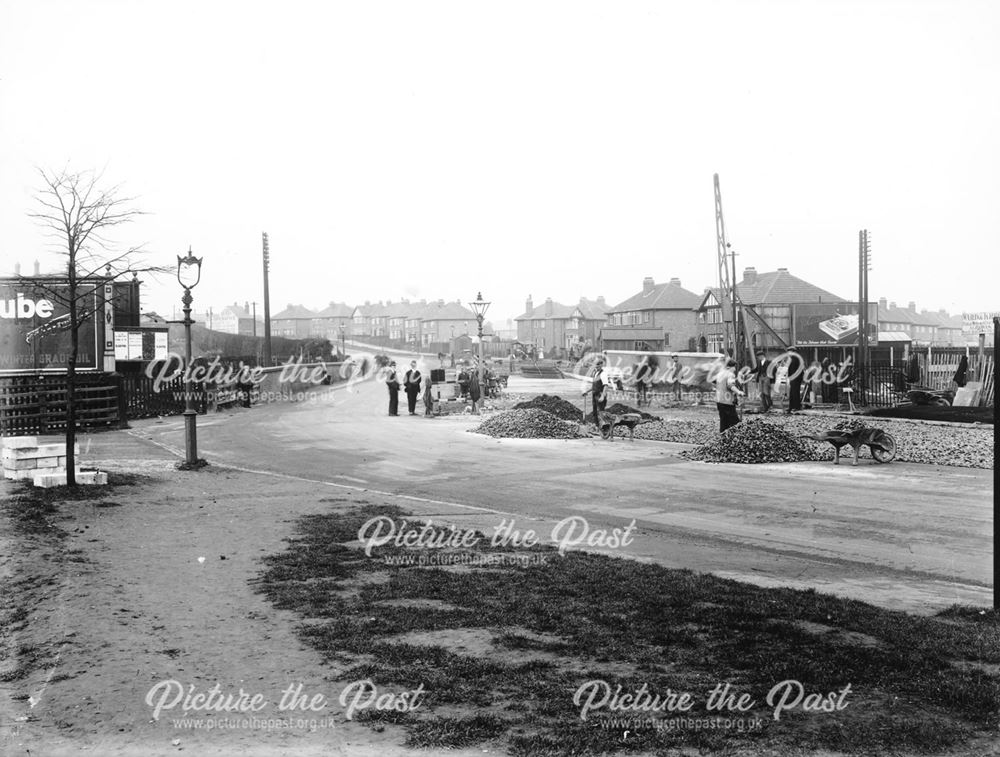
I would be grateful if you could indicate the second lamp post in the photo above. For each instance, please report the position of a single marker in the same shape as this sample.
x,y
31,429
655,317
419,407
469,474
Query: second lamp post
x,y
479,307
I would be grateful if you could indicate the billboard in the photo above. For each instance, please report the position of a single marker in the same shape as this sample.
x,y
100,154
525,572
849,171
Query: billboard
x,y
34,326
832,324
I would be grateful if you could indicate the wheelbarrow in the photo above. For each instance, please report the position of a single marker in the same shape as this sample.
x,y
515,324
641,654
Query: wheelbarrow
x,y
610,421
881,444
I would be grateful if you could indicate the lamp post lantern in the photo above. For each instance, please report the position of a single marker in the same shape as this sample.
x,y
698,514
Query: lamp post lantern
x,y
479,307
188,275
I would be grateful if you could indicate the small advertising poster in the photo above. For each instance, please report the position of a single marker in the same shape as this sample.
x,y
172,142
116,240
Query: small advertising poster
x,y
121,345
160,346
135,345
832,324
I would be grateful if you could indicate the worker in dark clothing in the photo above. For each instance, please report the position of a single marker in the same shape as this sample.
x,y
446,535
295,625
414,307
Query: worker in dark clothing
x,y
411,384
796,369
765,375
392,381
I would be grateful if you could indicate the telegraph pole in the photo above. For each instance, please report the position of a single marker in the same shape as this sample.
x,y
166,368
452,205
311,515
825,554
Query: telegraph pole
x,y
267,306
864,265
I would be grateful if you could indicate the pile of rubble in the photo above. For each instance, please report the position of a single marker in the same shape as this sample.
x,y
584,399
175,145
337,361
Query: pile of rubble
x,y
530,423
753,441
559,407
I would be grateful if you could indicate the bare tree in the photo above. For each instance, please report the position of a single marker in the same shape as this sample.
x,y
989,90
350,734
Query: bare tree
x,y
79,215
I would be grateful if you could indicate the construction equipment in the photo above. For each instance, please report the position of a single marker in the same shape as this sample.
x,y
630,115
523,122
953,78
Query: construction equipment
x,y
738,340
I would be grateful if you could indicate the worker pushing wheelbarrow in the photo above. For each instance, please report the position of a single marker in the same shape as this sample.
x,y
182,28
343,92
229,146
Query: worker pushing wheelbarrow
x,y
881,444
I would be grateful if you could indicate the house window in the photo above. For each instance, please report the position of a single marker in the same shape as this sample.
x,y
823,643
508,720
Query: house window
x,y
666,339
647,316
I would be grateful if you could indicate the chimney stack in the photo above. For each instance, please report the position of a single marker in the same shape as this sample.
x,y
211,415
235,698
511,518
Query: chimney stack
x,y
647,285
548,307
675,281
529,306
750,275
782,270
892,306
38,269
882,302
17,269
912,306
600,300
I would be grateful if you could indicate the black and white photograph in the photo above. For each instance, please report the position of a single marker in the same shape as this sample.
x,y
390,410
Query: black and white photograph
x,y
448,377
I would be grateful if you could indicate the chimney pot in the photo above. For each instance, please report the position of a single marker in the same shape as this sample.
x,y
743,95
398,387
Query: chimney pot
x,y
782,270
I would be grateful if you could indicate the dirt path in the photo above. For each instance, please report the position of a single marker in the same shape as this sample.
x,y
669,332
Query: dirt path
x,y
151,583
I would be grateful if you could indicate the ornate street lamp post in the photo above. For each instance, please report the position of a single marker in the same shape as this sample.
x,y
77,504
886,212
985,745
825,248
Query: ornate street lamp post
x,y
189,274
479,307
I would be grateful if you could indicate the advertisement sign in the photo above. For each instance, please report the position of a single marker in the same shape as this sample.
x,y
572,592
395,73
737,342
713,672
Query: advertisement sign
x,y
140,344
34,326
974,324
829,324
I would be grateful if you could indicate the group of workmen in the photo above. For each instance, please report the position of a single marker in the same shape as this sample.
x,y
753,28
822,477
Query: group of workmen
x,y
729,387
467,378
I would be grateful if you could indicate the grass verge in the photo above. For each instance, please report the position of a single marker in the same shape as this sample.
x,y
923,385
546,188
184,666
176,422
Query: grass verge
x,y
547,627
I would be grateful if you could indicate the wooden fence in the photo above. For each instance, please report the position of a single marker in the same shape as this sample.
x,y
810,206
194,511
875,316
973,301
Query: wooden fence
x,y
36,405
937,370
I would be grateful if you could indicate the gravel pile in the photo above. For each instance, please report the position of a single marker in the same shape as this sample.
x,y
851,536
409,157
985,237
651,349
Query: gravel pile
x,y
752,441
550,403
963,446
530,423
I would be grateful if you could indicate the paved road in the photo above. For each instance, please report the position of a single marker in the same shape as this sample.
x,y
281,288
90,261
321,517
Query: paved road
x,y
904,536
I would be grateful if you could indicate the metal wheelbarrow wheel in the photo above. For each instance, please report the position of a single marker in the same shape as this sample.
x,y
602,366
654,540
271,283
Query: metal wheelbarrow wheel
x,y
884,451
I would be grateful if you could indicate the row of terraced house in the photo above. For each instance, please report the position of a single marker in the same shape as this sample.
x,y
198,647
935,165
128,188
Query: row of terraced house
x,y
404,323
661,317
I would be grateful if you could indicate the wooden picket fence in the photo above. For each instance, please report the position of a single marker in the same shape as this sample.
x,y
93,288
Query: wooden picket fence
x,y
939,371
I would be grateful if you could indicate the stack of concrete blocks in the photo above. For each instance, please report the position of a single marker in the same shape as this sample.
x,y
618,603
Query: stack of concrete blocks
x,y
43,461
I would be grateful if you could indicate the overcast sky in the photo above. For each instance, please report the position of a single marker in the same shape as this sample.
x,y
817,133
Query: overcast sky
x,y
558,149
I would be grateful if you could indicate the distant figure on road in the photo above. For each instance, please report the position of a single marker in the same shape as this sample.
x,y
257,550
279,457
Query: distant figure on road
x,y
463,381
475,391
428,398
411,382
392,381
726,392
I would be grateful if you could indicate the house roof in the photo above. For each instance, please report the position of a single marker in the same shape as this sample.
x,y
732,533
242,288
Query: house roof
x,y
293,312
908,317
336,310
781,288
593,310
668,296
